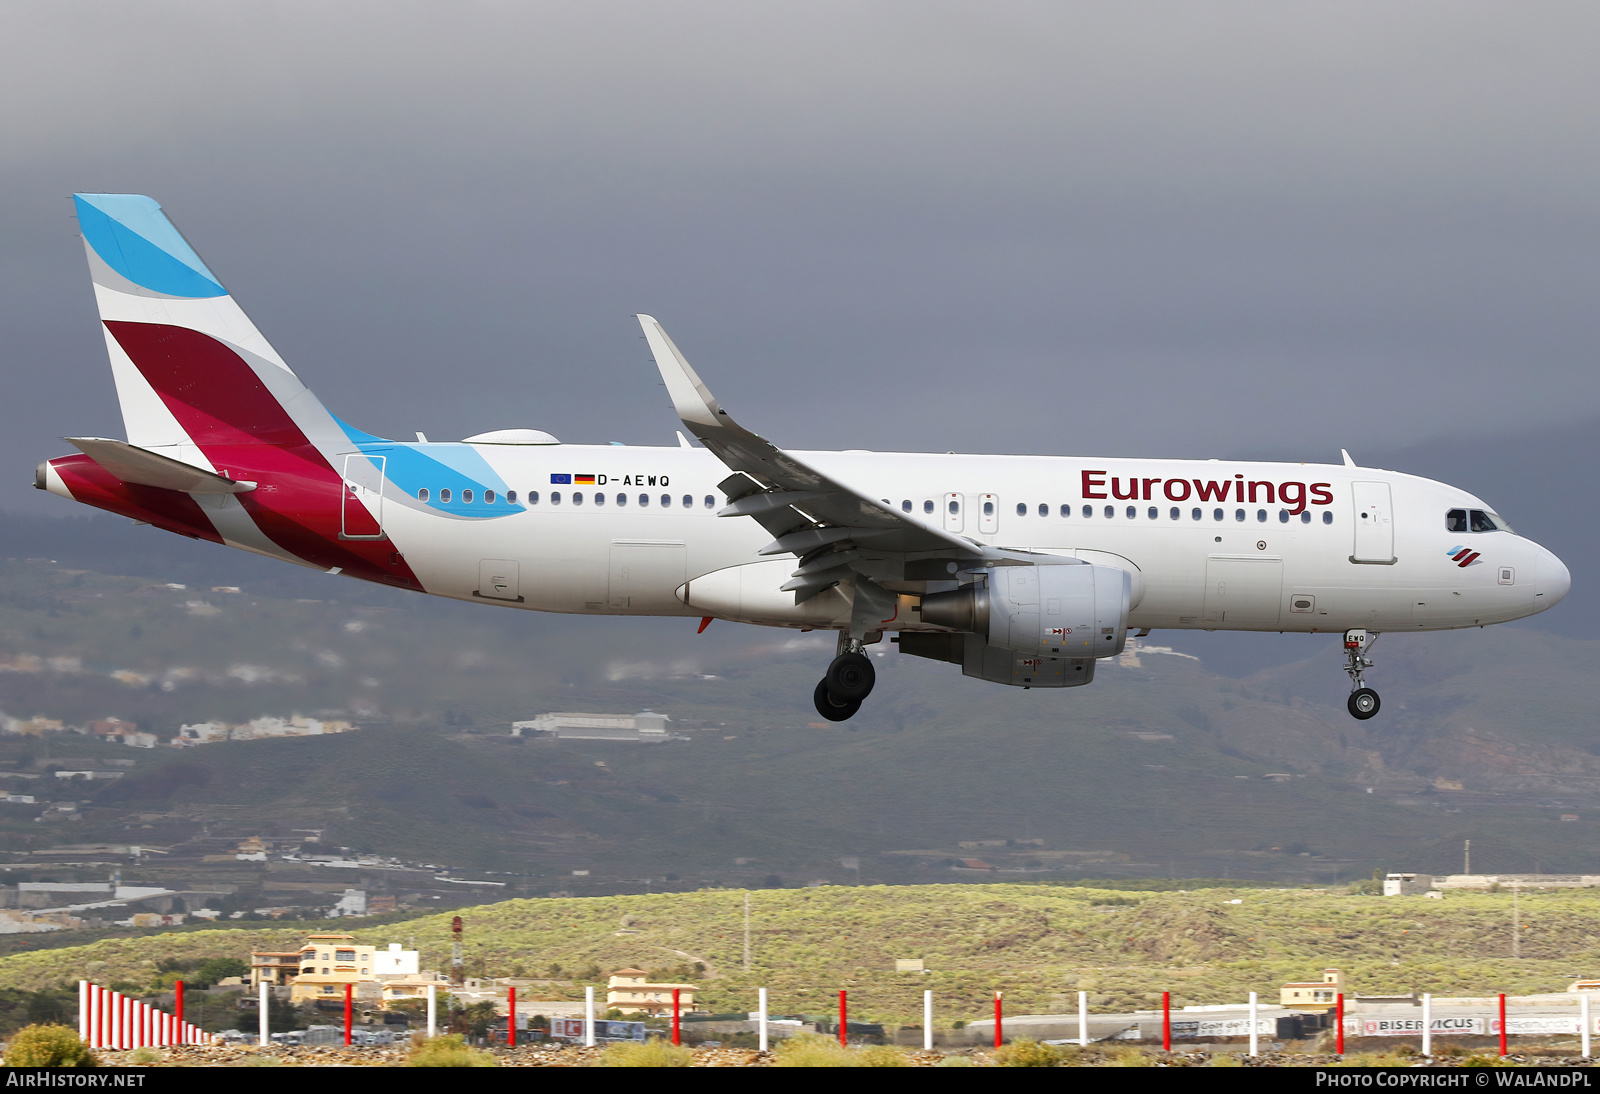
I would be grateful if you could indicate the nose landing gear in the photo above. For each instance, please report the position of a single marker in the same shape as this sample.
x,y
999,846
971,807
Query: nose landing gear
x,y
1364,702
848,681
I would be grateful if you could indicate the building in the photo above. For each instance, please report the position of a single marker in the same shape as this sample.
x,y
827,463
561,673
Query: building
x,y
1321,995
322,967
414,985
1407,884
646,726
275,967
327,963
631,992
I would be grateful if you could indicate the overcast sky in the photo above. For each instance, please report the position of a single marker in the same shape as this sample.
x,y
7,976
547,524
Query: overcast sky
x,y
1174,229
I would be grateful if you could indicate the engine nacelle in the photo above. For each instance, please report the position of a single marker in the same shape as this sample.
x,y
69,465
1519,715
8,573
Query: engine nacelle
x,y
1030,626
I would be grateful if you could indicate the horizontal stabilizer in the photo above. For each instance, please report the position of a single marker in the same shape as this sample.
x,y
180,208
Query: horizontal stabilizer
x,y
139,465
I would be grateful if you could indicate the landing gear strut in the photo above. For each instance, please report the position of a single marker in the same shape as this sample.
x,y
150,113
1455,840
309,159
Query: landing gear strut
x,y
1364,702
848,681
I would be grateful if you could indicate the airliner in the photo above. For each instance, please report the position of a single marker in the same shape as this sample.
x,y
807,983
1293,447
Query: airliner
x,y
1024,570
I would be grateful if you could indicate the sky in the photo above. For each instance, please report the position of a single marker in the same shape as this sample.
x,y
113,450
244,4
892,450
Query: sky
x,y
1205,229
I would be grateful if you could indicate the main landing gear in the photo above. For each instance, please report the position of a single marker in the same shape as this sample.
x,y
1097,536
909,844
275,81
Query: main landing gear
x,y
1364,702
849,680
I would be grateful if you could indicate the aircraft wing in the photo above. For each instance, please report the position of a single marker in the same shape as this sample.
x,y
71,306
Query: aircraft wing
x,y
831,527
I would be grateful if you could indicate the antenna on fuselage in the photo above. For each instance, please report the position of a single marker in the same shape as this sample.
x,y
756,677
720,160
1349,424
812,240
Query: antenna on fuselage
x,y
1348,462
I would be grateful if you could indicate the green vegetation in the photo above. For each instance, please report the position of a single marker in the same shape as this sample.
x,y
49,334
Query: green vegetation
x,y
448,1051
1039,944
653,1053
1025,1053
49,1046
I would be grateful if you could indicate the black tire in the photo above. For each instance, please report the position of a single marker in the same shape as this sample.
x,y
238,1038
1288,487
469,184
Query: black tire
x,y
850,677
832,709
1364,703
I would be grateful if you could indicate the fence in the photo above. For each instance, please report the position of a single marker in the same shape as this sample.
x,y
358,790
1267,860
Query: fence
x,y
109,1019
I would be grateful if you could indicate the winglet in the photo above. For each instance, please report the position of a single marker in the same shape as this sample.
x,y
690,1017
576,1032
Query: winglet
x,y
690,398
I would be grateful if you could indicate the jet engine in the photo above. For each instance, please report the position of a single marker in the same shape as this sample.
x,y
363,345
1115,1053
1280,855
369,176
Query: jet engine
x,y
1036,626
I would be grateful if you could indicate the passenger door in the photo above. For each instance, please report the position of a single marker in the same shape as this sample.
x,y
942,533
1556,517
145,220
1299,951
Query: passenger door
x,y
1374,531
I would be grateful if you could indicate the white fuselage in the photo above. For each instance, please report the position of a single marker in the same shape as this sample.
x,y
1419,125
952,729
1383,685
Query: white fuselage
x,y
1311,547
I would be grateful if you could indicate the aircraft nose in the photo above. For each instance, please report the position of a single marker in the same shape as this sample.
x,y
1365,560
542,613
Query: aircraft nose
x,y
1551,580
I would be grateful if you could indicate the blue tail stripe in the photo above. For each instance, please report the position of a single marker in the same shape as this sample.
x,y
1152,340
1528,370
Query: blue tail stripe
x,y
132,236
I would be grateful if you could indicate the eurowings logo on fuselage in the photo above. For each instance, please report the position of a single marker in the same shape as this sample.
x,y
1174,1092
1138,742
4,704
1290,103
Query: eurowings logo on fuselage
x,y
1463,556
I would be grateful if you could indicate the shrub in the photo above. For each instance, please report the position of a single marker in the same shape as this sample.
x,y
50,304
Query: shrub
x,y
1026,1053
811,1051
448,1051
881,1056
49,1046
654,1053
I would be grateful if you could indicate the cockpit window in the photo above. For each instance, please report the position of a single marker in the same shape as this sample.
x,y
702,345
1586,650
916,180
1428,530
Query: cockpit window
x,y
1474,520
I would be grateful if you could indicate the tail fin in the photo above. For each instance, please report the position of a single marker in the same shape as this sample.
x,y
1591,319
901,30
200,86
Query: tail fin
x,y
212,411
192,371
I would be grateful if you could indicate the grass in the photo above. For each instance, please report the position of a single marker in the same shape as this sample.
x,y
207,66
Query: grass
x,y
653,1053
1041,945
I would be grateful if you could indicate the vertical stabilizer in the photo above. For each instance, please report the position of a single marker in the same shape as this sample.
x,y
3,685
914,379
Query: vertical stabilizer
x,y
191,369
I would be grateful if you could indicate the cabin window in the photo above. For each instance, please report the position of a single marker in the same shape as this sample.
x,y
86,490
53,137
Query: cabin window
x,y
1305,517
444,496
1066,510
466,497
488,497
1174,513
1261,516
711,501
1022,508
555,497
599,498
988,508
1216,514
1194,514
688,502
622,499
644,501
422,495
1327,518
905,506
511,497
1283,516
1132,512
1088,510
1111,511
927,507
533,497
1153,513
955,507
1044,510
577,497
1238,514
666,501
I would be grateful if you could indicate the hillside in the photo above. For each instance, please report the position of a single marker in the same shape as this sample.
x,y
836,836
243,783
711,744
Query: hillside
x,y
1160,768
1040,944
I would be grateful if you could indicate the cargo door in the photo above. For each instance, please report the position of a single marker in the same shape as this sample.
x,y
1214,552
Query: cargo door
x,y
646,573
1243,592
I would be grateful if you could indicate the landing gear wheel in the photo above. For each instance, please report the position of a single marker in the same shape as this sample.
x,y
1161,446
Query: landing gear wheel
x,y
831,708
850,678
1364,703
